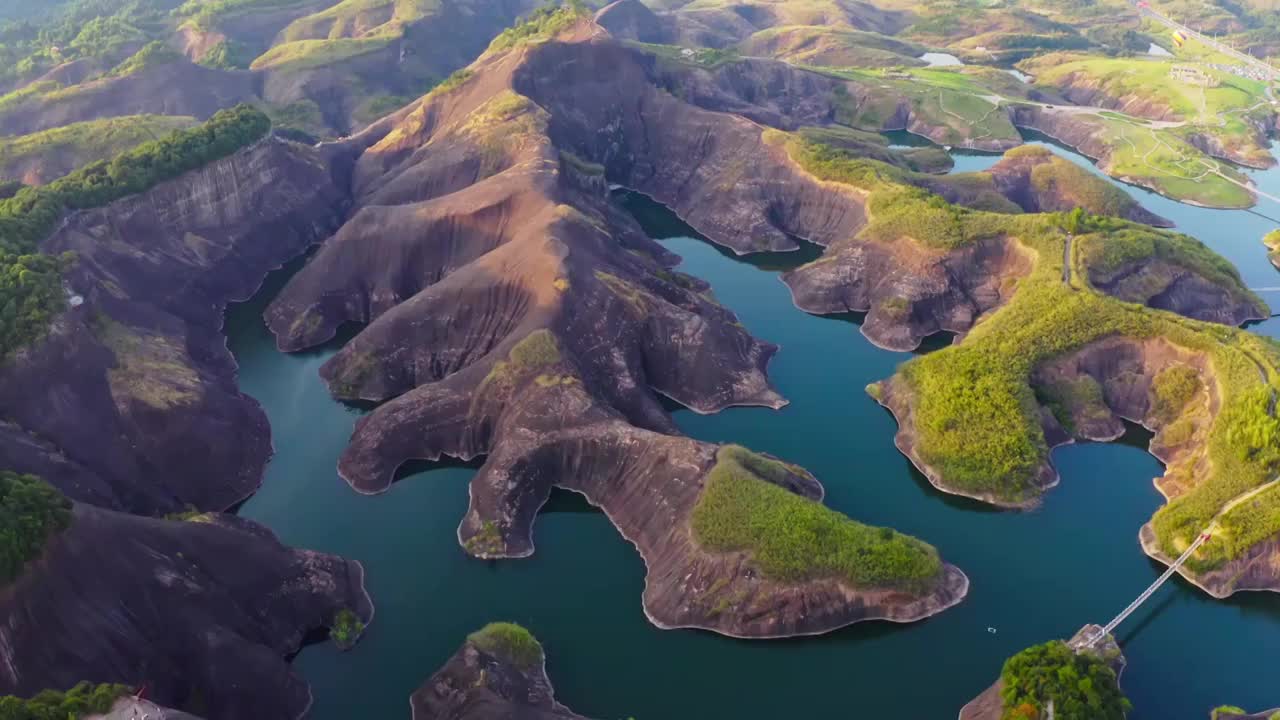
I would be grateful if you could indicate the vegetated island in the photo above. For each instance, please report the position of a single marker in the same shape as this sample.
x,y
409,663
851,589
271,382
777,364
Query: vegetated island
x,y
1231,712
1272,241
1057,680
500,671
537,323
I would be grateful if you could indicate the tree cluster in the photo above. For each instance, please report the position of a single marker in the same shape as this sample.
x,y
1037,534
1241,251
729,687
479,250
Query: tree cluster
x,y
1080,686
83,699
31,511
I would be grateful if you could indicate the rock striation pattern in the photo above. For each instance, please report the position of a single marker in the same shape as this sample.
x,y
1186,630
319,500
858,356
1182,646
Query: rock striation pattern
x,y
131,401
202,612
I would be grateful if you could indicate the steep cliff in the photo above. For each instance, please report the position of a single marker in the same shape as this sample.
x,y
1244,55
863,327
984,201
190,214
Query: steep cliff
x,y
909,291
202,612
990,705
130,402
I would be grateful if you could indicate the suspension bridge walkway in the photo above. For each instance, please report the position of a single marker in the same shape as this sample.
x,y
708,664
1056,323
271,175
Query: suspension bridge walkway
x,y
1133,606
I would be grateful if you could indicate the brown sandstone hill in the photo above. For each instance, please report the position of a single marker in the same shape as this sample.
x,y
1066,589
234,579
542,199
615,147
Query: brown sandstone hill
x,y
513,311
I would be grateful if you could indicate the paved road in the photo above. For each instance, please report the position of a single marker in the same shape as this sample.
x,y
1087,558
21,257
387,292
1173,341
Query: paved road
x,y
1245,58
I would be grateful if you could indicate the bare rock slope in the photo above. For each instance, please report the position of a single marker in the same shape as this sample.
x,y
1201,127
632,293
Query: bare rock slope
x,y
511,310
202,612
131,401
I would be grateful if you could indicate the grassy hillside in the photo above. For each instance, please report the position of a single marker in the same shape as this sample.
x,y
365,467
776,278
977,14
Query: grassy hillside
x,y
975,415
63,149
791,538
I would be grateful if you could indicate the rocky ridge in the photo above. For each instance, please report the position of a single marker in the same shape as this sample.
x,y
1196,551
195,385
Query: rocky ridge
x,y
525,332
131,402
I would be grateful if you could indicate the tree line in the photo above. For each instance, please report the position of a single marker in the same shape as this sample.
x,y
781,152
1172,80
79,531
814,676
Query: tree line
x,y
30,282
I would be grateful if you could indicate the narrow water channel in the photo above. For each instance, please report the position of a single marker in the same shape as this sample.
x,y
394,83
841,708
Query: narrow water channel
x,y
1035,576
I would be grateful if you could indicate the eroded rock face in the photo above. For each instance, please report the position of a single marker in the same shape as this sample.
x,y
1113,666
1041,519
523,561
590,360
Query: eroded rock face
x,y
607,104
476,684
513,311
203,612
1163,285
131,402
907,290
1039,181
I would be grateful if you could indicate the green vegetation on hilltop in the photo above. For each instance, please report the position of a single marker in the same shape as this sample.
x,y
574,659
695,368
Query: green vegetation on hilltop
x,y
509,642
1080,685
1223,712
98,30
346,629
82,700
1272,241
308,54
1107,247
31,512
151,55
974,414
957,102
205,14
831,46
30,282
793,539
1062,178
898,206
542,24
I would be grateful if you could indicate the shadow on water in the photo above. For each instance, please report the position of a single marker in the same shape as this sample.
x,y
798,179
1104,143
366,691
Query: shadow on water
x,y
660,223
951,500
420,467
567,501
1149,616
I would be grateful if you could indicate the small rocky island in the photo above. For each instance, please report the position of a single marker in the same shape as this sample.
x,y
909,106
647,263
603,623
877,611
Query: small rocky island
x,y
499,672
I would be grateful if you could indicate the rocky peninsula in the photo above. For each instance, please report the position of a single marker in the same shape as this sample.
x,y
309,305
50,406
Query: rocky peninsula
x,y
480,342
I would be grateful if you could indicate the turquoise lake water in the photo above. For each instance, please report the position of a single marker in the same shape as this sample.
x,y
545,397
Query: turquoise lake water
x,y
1035,576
